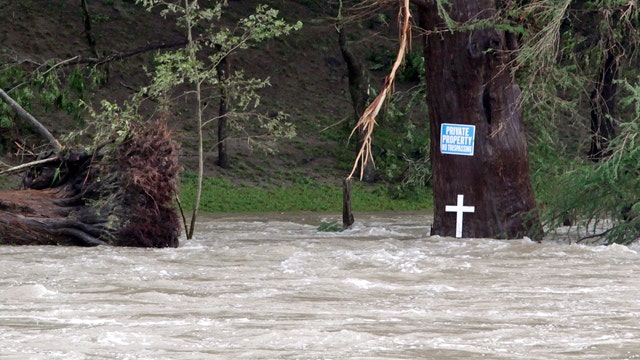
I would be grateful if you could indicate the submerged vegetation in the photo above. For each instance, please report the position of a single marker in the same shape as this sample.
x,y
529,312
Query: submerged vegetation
x,y
579,74
601,199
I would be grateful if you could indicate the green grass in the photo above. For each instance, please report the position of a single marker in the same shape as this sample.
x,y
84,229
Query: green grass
x,y
220,195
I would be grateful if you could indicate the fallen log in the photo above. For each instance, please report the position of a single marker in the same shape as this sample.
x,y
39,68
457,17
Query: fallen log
x,y
120,194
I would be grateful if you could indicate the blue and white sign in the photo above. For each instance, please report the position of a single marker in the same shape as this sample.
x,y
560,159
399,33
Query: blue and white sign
x,y
457,139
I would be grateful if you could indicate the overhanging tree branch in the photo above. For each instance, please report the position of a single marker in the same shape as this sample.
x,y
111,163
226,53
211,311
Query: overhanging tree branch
x,y
36,124
155,45
76,60
121,55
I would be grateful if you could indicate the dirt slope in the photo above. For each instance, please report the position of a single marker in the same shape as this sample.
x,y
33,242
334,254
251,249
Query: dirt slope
x,y
306,71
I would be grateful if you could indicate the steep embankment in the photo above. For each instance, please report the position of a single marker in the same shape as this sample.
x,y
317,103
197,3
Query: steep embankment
x,y
307,75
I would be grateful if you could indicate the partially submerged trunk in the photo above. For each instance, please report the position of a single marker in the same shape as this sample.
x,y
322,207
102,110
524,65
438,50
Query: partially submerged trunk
x,y
121,195
469,82
347,215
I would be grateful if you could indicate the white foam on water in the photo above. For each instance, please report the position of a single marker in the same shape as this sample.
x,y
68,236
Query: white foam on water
x,y
273,287
26,291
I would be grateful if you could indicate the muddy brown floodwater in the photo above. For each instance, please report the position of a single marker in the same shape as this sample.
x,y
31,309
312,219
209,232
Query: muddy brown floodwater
x,y
271,286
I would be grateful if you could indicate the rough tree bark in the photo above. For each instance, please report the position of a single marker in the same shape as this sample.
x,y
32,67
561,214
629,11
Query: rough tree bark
x,y
120,195
469,82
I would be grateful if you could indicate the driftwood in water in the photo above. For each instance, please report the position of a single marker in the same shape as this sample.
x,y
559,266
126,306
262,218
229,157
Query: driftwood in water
x,y
121,195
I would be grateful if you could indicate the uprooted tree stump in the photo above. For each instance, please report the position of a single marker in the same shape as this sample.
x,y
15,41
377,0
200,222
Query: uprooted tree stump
x,y
121,195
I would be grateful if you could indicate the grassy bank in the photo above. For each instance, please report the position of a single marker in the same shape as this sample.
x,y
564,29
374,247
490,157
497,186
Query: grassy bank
x,y
220,195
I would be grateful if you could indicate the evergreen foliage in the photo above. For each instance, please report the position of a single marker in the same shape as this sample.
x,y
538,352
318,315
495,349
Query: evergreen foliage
x,y
564,48
603,199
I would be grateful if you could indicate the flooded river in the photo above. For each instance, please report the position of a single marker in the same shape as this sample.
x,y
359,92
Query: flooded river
x,y
273,287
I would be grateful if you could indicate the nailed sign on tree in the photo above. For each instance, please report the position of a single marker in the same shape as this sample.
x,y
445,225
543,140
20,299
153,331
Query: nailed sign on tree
x,y
456,139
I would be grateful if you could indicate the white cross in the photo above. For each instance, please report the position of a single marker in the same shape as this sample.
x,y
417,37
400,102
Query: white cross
x,y
459,209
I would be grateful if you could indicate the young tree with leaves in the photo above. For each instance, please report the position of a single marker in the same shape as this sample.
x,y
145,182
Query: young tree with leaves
x,y
198,65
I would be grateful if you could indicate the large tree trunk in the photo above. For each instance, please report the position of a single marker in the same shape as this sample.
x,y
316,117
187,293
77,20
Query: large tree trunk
x,y
469,82
121,195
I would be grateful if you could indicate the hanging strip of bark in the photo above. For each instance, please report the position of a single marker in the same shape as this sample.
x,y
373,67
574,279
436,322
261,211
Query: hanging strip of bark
x,y
359,91
367,121
32,120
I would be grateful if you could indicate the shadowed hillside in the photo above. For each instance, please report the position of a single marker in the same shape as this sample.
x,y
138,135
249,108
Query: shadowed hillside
x,y
307,75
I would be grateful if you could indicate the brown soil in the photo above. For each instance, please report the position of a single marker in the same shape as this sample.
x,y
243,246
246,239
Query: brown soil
x,y
306,71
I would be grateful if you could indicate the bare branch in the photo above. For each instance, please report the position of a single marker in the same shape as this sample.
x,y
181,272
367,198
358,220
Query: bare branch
x,y
28,165
119,55
149,47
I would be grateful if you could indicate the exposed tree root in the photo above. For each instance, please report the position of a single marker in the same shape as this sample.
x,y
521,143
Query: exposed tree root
x,y
120,195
